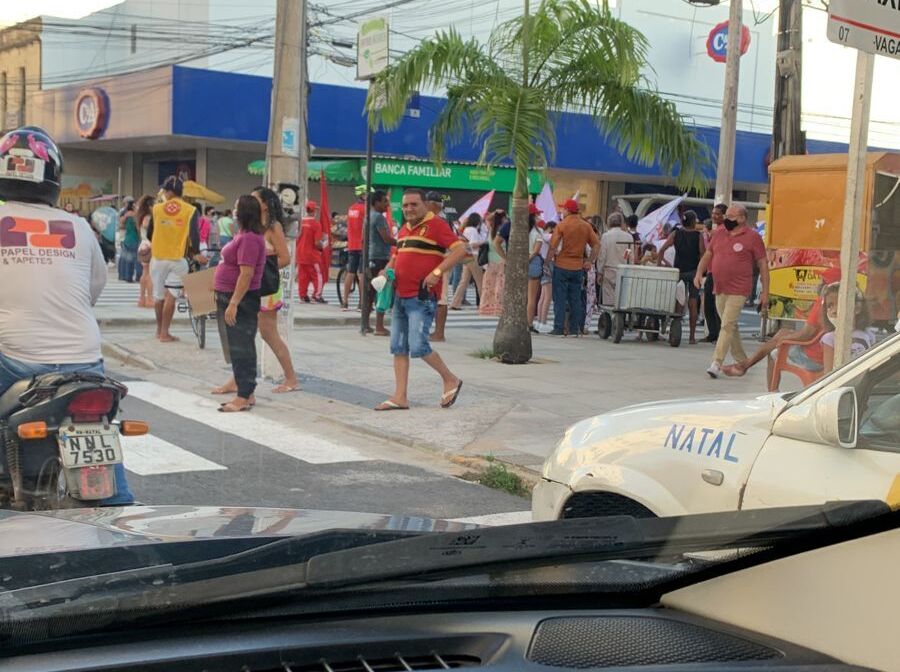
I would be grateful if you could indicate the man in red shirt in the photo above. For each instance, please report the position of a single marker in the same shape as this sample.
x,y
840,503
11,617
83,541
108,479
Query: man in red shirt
x,y
309,254
355,216
421,259
733,252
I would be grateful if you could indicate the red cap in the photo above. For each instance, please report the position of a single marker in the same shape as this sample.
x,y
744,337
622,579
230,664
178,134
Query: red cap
x,y
831,275
311,206
533,209
571,205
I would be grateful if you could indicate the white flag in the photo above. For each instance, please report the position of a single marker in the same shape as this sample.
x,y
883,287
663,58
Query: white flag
x,y
480,206
650,228
546,205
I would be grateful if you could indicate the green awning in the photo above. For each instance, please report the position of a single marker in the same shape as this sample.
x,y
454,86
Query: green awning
x,y
340,171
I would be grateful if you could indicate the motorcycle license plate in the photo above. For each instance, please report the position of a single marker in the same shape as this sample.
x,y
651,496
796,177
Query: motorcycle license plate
x,y
89,445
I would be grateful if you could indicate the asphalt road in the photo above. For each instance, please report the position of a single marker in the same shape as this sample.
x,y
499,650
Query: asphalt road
x,y
197,456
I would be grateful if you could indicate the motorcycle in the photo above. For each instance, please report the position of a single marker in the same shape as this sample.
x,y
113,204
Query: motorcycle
x,y
60,441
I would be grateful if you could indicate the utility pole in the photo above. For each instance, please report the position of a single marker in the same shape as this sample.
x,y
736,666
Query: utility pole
x,y
853,205
786,134
287,151
728,132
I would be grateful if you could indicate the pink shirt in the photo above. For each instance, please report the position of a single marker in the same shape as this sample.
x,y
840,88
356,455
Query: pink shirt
x,y
245,249
733,259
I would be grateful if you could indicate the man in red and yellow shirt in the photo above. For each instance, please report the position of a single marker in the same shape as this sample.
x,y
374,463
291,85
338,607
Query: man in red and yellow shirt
x,y
309,254
421,260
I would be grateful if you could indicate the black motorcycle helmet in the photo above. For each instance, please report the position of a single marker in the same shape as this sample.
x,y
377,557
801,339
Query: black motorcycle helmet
x,y
31,166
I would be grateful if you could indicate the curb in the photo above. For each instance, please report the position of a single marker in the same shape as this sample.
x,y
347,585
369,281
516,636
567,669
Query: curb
x,y
126,356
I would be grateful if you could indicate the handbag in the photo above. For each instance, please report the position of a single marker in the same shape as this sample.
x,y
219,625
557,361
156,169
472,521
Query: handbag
x,y
483,253
271,279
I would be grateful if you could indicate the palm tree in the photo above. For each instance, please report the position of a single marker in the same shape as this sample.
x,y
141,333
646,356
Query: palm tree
x,y
506,94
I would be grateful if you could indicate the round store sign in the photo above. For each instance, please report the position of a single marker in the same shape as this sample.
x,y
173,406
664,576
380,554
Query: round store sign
x,y
717,42
91,113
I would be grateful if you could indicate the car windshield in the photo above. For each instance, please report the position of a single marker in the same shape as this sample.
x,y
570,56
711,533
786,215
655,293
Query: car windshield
x,y
281,281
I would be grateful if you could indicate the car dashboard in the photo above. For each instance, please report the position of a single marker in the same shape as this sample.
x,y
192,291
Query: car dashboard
x,y
656,639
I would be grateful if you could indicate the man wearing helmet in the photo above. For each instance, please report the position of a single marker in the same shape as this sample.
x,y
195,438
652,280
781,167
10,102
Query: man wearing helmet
x,y
52,272
355,216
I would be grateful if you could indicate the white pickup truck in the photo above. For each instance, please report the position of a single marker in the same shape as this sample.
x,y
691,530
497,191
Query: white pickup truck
x,y
838,439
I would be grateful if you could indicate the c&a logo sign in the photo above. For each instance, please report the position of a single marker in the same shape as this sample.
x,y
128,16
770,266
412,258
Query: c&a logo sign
x,y
36,233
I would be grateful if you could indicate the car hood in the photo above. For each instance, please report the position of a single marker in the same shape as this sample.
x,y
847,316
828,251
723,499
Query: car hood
x,y
26,533
643,431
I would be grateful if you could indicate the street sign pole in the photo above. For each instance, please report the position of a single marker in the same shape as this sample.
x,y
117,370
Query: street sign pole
x,y
871,28
853,205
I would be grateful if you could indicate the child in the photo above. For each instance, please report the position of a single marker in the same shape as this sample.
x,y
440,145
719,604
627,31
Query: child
x,y
862,337
649,255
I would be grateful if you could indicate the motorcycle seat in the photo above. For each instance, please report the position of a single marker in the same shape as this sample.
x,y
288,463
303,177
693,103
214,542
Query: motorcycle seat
x,y
9,401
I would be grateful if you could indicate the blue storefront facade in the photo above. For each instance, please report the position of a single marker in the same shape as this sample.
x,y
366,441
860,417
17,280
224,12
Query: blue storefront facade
x,y
210,125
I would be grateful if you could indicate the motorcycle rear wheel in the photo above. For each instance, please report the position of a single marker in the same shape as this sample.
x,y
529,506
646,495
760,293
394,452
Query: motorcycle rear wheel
x,y
51,481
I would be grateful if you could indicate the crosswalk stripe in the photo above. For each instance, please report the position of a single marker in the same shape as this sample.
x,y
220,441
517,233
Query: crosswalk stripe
x,y
495,519
278,436
150,455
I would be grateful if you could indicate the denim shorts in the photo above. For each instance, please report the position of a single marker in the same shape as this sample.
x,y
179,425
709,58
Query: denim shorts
x,y
535,268
797,355
410,326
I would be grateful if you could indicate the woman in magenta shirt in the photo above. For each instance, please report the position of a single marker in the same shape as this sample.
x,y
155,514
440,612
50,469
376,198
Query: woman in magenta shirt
x,y
237,282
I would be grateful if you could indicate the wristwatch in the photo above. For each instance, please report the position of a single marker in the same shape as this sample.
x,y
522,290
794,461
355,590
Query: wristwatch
x,y
438,272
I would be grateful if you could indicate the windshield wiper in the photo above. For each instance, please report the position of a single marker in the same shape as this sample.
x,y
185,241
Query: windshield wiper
x,y
581,539
329,561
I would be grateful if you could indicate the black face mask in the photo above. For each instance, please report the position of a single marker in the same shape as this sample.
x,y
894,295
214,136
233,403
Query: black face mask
x,y
731,224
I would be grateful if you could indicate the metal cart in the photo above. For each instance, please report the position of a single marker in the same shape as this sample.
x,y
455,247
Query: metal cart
x,y
645,302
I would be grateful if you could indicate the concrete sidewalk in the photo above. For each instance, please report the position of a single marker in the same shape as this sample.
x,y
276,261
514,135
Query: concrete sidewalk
x,y
516,413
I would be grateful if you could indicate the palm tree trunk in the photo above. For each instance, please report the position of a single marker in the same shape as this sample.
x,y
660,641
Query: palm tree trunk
x,y
512,340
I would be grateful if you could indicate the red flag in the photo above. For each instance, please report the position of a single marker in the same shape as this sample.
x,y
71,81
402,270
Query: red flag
x,y
324,208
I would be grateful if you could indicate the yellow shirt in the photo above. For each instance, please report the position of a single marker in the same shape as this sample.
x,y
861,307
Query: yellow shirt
x,y
171,228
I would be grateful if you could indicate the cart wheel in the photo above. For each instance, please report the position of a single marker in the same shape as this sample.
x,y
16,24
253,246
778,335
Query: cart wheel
x,y
604,325
618,327
652,323
675,332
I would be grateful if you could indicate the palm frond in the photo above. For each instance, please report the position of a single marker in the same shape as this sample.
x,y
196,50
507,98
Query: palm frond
x,y
437,62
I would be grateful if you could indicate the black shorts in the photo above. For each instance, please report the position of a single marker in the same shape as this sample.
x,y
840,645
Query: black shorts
x,y
354,261
376,266
688,280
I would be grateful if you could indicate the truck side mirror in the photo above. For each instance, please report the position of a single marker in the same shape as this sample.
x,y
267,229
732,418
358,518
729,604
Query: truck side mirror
x,y
831,418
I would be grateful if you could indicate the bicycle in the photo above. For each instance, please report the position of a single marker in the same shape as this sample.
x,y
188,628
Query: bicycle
x,y
183,305
339,284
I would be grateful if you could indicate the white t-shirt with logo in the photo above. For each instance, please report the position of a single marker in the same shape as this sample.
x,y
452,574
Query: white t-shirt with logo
x,y
51,273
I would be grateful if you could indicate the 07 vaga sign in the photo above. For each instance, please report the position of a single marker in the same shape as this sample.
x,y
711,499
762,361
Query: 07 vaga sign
x,y
717,42
872,26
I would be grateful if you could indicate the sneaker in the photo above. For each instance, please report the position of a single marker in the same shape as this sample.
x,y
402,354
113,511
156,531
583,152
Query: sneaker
x,y
305,299
714,370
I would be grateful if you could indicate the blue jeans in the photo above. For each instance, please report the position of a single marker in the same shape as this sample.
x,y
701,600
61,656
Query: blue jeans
x,y
129,269
410,326
455,277
13,370
567,286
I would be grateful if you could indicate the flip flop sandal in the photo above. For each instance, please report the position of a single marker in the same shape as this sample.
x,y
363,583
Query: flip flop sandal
x,y
390,406
449,398
285,389
228,408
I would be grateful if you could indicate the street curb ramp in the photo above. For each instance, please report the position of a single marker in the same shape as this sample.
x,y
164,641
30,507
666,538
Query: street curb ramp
x,y
125,356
